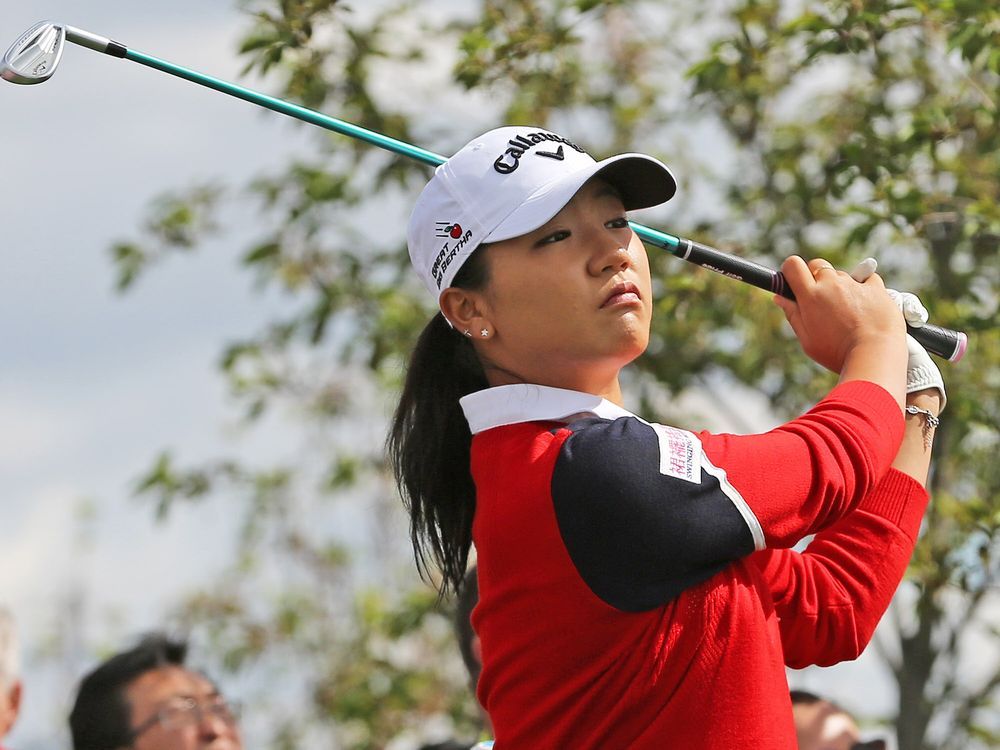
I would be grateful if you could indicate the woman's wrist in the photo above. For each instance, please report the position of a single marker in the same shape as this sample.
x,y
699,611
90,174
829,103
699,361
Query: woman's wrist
x,y
880,360
928,398
923,408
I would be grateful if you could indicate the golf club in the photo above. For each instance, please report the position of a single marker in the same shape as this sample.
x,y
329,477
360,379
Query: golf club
x,y
34,57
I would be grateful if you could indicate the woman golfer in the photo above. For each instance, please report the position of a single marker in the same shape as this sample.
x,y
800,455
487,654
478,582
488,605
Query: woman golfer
x,y
637,586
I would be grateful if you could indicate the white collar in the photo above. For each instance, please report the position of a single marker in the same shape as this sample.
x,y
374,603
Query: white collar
x,y
512,404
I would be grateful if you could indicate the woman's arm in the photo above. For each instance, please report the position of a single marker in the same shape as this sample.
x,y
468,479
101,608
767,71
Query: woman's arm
x,y
802,476
830,598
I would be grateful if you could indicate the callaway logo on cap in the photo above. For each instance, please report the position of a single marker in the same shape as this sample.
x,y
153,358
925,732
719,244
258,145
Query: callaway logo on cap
x,y
509,182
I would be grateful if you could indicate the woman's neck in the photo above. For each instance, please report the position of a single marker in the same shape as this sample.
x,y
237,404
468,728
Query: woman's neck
x,y
607,387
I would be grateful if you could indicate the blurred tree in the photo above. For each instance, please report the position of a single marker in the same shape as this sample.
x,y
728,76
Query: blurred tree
x,y
841,129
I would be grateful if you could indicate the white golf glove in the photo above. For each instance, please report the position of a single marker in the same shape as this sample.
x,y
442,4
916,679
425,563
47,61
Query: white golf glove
x,y
921,372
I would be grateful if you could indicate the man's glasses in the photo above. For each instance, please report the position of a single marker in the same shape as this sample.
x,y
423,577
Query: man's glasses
x,y
178,713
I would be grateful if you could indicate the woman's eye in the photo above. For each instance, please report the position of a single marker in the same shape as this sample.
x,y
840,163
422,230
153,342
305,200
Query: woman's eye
x,y
619,223
554,237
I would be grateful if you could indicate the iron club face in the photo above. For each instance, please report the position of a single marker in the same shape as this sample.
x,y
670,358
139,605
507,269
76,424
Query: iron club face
x,y
34,56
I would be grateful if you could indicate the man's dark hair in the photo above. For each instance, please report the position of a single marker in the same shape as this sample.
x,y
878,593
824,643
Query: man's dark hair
x,y
101,717
804,697
468,597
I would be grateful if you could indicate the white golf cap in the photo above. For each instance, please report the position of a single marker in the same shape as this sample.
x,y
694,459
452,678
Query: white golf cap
x,y
509,182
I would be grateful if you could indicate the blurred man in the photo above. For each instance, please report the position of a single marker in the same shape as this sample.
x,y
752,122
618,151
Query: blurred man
x,y
146,699
468,641
468,645
10,674
823,725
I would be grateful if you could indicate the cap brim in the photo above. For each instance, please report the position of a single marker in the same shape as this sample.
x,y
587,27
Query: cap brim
x,y
641,180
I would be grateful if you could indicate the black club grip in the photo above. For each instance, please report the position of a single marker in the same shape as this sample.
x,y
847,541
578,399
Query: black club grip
x,y
943,342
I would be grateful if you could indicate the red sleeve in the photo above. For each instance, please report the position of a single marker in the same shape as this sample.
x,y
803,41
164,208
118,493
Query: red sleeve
x,y
806,474
830,598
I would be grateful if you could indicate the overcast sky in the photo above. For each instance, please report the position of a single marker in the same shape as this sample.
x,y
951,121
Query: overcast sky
x,y
93,384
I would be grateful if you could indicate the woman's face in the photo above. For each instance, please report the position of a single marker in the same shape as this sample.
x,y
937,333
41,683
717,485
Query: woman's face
x,y
570,303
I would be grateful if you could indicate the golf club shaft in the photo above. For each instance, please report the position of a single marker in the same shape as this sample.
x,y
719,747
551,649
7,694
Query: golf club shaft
x,y
943,342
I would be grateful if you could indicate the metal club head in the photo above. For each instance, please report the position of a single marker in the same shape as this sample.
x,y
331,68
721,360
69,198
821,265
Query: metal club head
x,y
34,56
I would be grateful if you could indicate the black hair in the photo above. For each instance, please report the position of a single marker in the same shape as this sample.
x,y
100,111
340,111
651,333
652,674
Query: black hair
x,y
468,597
429,441
101,716
804,697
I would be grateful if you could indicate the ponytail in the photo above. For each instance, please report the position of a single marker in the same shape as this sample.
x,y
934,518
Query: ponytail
x,y
429,442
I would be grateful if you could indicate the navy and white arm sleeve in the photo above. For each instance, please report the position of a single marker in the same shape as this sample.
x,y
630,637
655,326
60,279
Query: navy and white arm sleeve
x,y
642,513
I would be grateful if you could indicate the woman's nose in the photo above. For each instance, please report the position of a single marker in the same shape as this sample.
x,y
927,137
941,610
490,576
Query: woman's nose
x,y
613,258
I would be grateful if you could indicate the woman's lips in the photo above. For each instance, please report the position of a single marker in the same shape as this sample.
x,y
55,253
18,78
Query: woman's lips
x,y
623,293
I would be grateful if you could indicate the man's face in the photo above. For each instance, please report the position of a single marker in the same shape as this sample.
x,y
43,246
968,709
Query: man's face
x,y
10,703
176,709
823,726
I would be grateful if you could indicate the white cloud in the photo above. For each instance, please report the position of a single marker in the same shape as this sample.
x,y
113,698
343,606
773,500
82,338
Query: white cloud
x,y
36,548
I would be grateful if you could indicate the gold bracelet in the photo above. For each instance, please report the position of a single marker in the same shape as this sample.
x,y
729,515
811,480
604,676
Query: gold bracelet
x,y
930,421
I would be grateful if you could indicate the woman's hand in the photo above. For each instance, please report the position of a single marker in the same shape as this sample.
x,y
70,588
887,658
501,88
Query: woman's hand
x,y
834,315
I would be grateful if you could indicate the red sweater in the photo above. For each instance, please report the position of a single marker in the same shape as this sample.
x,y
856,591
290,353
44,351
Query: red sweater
x,y
636,586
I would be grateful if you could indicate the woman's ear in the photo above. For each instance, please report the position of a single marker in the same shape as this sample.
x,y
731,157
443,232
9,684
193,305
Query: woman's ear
x,y
464,309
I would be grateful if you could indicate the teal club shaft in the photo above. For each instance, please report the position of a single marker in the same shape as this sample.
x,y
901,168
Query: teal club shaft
x,y
287,108
660,239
